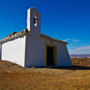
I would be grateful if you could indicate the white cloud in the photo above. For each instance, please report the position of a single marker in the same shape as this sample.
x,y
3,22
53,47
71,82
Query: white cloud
x,y
83,48
76,40
67,39
72,40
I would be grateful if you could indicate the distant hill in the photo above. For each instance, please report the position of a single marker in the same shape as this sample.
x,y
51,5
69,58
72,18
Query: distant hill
x,y
80,56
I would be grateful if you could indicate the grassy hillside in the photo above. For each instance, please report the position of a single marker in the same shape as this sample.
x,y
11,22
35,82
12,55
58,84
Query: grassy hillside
x,y
14,77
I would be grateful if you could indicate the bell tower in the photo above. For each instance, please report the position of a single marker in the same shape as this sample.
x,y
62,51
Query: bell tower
x,y
34,22
33,42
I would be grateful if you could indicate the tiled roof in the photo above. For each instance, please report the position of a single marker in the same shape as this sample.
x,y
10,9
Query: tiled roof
x,y
15,35
50,38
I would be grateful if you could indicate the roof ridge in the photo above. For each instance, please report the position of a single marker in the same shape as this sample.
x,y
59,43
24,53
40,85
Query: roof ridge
x,y
49,37
14,35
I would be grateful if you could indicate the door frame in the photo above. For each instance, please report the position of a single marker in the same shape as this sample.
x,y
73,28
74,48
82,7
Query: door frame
x,y
54,53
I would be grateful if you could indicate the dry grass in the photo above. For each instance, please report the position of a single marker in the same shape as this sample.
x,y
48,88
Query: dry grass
x,y
81,61
14,77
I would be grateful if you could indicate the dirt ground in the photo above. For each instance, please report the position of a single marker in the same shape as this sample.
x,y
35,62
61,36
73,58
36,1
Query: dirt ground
x,y
14,77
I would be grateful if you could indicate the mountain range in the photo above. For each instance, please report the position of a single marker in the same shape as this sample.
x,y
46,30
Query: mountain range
x,y
80,56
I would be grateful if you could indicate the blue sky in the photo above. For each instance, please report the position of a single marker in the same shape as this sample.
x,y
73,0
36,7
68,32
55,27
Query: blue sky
x,y
68,20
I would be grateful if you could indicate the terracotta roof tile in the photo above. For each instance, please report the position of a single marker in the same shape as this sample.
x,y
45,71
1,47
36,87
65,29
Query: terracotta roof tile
x,y
15,35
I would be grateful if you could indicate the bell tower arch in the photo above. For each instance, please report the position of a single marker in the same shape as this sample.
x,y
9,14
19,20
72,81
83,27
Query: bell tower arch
x,y
34,21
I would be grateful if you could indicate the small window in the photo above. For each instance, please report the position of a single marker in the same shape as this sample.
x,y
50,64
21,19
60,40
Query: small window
x,y
35,21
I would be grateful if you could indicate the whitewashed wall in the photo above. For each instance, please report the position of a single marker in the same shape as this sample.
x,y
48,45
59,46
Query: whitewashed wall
x,y
63,58
14,51
27,51
35,53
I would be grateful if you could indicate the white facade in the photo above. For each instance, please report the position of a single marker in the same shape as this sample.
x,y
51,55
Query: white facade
x,y
36,56
14,51
31,50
